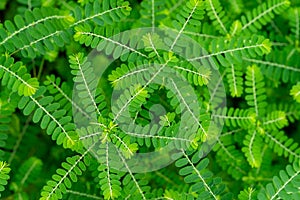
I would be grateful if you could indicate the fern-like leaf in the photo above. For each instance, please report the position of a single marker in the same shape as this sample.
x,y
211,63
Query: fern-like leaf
x,y
107,38
277,67
218,15
283,145
61,93
26,34
62,180
235,80
233,51
91,99
182,100
283,186
276,70
15,76
291,110
102,12
152,12
275,120
135,188
236,117
189,16
256,92
194,74
253,147
126,75
51,117
263,14
109,178
194,172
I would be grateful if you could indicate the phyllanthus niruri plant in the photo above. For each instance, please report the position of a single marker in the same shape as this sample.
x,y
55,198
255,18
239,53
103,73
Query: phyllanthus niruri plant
x,y
115,99
161,129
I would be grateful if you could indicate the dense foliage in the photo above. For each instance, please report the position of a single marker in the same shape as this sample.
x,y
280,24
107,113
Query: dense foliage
x,y
45,151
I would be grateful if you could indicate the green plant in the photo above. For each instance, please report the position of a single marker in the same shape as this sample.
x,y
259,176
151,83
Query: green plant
x,y
253,46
